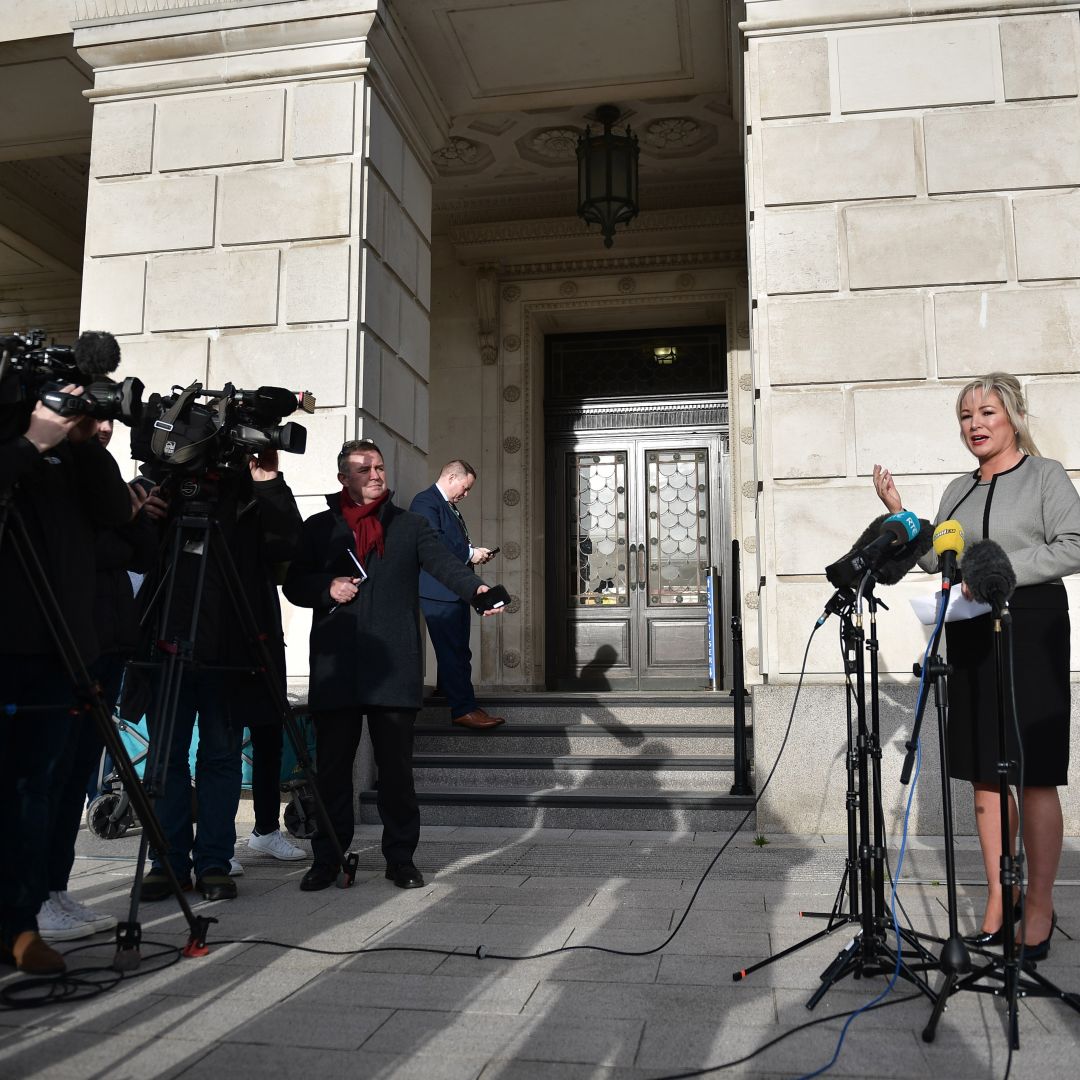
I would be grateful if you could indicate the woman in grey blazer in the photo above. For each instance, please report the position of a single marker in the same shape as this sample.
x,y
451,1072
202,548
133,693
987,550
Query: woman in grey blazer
x,y
1028,505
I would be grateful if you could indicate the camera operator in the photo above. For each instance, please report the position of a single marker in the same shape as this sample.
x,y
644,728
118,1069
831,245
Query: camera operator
x,y
132,546
257,519
64,484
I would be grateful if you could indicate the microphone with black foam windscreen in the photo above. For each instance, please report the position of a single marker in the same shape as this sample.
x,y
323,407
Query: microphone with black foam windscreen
x,y
897,563
949,545
890,546
96,352
989,574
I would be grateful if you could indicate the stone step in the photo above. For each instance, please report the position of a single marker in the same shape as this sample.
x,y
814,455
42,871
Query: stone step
x,y
620,710
574,772
592,739
530,807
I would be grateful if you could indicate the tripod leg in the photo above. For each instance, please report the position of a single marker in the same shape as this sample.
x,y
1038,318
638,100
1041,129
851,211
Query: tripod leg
x,y
738,976
845,961
947,988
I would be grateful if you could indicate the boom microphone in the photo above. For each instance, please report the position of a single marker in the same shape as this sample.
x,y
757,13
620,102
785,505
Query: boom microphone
x,y
96,352
949,545
989,575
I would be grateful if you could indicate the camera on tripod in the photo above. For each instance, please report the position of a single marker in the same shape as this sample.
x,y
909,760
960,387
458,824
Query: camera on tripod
x,y
192,429
32,371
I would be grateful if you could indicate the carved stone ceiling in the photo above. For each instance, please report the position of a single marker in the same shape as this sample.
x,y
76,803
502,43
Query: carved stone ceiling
x,y
520,79
44,162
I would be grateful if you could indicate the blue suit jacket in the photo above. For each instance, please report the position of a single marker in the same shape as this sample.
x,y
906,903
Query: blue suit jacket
x,y
431,505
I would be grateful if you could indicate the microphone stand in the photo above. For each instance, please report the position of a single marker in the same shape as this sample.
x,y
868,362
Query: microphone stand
x,y
1017,975
955,960
868,953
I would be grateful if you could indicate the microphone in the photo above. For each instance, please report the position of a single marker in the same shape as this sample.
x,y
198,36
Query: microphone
x,y
989,575
897,565
96,352
949,545
885,536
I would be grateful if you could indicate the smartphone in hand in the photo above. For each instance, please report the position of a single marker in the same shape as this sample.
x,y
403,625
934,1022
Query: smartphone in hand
x,y
495,597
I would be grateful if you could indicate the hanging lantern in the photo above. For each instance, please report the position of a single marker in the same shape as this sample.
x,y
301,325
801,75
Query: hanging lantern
x,y
607,175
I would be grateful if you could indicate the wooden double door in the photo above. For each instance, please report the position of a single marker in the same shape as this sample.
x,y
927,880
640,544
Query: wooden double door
x,y
636,524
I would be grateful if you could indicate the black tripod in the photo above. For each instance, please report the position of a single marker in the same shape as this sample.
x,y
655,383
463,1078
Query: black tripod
x,y
89,701
1011,975
195,533
869,952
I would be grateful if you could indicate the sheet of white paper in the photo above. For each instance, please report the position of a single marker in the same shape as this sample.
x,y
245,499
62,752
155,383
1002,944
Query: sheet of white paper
x,y
926,607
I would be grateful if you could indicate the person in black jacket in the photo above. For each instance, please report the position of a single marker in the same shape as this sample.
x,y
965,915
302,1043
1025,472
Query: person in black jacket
x,y
133,547
65,485
365,650
257,519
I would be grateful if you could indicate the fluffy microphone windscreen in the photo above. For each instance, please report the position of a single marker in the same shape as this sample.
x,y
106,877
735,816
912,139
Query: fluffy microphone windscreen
x,y
869,534
896,566
988,573
96,352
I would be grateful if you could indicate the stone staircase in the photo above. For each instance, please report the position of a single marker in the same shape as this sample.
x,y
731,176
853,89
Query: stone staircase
x,y
581,761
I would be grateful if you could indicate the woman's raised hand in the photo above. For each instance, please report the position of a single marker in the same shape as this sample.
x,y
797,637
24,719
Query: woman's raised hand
x,y
886,490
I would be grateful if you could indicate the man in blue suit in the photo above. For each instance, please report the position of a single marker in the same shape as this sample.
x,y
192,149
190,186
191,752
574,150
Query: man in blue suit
x,y
446,614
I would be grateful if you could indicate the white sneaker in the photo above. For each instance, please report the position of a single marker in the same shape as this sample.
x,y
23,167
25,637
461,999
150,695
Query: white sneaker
x,y
235,867
99,920
275,844
56,924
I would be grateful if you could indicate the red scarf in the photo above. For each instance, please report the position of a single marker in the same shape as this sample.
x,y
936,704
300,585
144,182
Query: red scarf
x,y
364,523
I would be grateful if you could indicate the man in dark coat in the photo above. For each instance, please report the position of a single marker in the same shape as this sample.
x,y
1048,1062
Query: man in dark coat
x,y
446,615
131,547
256,518
64,485
359,569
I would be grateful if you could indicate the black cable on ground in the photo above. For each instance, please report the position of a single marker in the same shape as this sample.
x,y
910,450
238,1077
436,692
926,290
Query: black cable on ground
x,y
37,991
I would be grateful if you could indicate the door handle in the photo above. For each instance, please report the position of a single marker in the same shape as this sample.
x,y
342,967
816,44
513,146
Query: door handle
x,y
641,569
631,568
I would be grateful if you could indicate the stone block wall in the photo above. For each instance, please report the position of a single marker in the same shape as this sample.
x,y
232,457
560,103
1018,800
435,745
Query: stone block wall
x,y
912,179
915,222
258,214
264,227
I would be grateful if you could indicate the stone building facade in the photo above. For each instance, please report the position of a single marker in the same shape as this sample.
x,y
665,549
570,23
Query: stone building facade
x,y
375,200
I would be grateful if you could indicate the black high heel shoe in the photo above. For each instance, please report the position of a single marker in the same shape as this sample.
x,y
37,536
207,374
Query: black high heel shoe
x,y
986,939
1042,950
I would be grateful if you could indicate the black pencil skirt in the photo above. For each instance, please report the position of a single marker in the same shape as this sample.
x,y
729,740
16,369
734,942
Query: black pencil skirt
x,y
1040,668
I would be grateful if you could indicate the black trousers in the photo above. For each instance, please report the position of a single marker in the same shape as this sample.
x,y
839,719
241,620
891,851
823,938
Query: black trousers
x,y
337,735
33,746
79,761
266,747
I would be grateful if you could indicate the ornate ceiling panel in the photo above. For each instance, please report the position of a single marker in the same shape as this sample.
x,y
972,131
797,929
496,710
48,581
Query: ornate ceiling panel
x,y
504,55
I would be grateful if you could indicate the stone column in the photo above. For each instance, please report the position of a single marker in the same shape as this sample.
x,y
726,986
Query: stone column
x,y
909,176
259,211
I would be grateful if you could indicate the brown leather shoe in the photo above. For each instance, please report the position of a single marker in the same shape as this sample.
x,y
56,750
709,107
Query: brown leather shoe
x,y
478,720
30,954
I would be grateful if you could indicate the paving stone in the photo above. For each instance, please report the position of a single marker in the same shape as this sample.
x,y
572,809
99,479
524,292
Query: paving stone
x,y
78,1055
426,1035
481,992
320,1026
